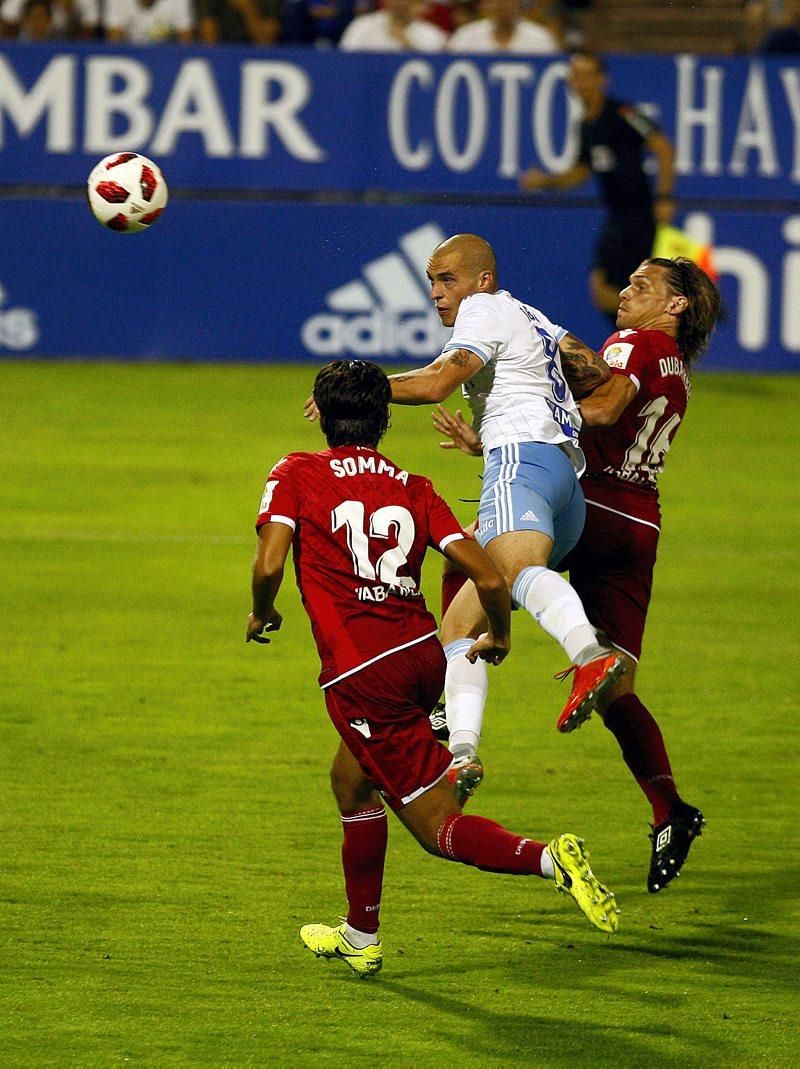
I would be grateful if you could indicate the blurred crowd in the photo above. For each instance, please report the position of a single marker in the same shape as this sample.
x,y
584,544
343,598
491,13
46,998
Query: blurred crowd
x,y
771,27
532,27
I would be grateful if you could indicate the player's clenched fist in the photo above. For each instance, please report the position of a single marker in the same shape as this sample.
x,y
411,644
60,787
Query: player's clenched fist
x,y
256,626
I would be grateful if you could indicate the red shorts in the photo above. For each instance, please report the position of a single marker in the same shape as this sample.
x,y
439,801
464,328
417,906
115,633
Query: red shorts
x,y
612,565
382,712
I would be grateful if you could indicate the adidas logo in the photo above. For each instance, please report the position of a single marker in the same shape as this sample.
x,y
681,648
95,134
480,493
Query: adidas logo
x,y
387,312
529,515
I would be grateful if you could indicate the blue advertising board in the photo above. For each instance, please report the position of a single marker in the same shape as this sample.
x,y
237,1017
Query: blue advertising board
x,y
260,281
300,119
274,246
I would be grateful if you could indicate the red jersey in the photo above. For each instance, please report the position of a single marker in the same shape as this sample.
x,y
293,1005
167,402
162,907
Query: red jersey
x,y
361,528
625,460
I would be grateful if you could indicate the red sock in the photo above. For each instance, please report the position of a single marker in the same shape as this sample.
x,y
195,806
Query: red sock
x,y
644,752
489,846
452,582
363,855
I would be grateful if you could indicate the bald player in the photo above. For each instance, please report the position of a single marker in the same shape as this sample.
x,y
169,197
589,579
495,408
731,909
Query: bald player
x,y
513,366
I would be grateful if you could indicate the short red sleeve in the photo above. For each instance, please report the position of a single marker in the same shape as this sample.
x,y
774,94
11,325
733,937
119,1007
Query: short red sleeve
x,y
280,502
443,525
627,353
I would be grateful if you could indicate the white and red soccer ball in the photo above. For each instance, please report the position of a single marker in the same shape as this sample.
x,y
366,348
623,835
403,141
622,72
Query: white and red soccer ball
x,y
126,192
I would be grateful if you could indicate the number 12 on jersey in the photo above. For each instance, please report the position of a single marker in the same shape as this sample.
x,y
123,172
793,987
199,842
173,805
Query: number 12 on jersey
x,y
385,521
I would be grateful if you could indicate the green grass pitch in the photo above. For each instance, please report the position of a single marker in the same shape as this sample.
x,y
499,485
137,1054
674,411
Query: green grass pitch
x,y
167,824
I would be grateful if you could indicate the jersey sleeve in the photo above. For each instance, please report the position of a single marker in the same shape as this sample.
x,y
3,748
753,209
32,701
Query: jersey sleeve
x,y
443,527
627,353
477,328
280,502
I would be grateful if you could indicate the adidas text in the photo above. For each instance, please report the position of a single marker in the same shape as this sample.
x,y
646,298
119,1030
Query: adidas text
x,y
387,311
373,335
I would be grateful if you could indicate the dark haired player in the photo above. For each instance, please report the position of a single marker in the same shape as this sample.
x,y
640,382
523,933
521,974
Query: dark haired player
x,y
666,316
359,526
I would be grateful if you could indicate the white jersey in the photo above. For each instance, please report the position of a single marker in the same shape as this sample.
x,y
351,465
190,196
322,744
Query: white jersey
x,y
527,39
148,25
373,33
520,394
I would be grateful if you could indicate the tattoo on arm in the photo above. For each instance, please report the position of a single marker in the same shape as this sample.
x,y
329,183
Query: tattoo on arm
x,y
583,368
460,357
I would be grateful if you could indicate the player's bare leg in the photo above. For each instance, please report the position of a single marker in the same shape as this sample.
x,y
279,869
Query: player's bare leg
x,y
439,825
676,824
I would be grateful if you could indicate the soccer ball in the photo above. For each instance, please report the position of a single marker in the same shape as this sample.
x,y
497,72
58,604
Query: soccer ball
x,y
126,192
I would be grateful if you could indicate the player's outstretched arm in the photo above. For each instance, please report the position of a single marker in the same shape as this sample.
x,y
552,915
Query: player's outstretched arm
x,y
583,368
274,540
493,595
436,381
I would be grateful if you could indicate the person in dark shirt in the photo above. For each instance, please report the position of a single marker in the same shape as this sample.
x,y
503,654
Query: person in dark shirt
x,y
320,23
613,139
238,21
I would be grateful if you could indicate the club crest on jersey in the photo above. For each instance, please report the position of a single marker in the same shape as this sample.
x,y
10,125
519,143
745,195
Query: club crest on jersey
x,y
618,354
266,500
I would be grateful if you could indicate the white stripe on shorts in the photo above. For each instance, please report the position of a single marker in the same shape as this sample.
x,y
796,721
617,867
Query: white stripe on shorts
x,y
502,489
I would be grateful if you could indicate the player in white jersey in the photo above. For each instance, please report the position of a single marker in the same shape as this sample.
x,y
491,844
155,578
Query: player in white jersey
x,y
519,393
513,364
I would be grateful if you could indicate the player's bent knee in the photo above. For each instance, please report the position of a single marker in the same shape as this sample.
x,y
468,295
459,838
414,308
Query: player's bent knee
x,y
425,815
350,786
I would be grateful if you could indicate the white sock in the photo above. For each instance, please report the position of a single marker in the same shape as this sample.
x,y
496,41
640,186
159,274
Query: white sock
x,y
465,689
558,610
358,939
548,868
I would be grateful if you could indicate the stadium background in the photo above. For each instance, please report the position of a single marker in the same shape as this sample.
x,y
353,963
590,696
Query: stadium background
x,y
316,183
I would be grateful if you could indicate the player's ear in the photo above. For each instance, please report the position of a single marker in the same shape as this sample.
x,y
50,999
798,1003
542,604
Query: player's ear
x,y
486,281
677,305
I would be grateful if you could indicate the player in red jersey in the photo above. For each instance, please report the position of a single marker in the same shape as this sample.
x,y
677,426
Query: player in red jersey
x,y
666,316
359,526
